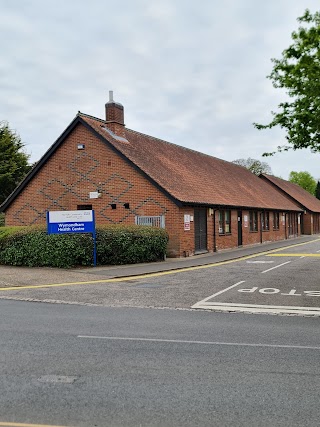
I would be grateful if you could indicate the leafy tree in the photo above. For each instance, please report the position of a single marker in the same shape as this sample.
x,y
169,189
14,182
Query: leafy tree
x,y
255,166
13,161
298,73
304,180
317,193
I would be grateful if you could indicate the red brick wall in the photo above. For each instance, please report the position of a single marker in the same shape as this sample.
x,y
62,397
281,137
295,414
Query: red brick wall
x,y
311,223
187,240
187,237
228,241
66,179
249,237
70,174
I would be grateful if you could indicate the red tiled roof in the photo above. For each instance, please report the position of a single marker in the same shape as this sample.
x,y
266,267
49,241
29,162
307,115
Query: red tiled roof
x,y
190,176
299,194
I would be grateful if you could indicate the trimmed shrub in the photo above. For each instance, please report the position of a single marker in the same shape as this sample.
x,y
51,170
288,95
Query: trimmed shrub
x,y
32,246
1,219
130,244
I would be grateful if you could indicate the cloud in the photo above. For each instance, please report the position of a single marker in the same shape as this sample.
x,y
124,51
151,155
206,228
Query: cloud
x,y
192,75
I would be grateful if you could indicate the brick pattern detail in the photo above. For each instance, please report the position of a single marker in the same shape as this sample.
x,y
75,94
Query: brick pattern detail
x,y
27,215
69,175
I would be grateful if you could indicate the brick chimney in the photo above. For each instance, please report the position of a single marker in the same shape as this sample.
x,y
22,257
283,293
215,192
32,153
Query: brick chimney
x,y
115,116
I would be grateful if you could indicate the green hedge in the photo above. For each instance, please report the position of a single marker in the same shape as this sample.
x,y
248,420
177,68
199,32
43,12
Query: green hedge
x,y
1,219
33,247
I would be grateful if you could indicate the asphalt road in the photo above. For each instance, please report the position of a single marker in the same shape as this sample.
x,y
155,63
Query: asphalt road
x,y
158,350
74,365
285,281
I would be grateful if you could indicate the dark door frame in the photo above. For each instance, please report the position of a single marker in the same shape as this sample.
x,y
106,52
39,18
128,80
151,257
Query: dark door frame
x,y
200,230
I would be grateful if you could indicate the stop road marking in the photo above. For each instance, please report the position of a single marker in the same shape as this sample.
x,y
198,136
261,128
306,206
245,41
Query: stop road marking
x,y
270,291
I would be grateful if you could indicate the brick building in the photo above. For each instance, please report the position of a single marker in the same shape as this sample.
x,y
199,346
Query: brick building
x,y
310,220
206,204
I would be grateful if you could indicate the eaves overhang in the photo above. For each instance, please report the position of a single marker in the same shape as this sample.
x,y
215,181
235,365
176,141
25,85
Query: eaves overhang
x,y
239,207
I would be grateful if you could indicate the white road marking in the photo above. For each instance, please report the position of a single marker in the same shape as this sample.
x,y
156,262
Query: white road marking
x,y
261,309
237,344
260,262
205,304
218,293
277,266
291,292
263,306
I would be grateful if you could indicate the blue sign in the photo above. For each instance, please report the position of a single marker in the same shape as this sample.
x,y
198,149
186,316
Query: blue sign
x,y
64,222
70,227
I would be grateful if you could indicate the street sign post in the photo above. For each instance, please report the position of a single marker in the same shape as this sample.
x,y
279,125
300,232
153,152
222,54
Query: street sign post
x,y
65,222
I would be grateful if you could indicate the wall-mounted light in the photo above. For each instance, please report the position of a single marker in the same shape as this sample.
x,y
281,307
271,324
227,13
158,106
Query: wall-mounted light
x,y
81,146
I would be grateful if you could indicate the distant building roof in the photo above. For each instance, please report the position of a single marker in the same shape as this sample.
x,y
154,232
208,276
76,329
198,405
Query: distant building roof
x,y
297,193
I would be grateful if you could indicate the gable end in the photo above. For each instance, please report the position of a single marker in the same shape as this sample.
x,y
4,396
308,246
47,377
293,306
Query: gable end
x,y
39,165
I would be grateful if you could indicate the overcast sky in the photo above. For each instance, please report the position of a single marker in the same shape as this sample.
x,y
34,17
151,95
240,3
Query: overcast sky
x,y
190,72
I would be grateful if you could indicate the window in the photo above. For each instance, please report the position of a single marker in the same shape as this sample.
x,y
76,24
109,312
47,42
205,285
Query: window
x,y
276,220
265,221
227,218
153,221
224,222
253,221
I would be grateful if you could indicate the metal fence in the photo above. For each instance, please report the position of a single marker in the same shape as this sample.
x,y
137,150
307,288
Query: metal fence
x,y
151,221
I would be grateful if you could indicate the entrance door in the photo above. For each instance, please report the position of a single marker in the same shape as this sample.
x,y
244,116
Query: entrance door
x,y
200,229
239,228
292,225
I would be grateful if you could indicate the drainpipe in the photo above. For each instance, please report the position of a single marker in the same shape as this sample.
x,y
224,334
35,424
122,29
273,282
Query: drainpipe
x,y
285,226
214,231
260,227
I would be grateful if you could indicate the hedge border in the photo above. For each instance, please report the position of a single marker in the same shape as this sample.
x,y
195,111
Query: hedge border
x,y
116,245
